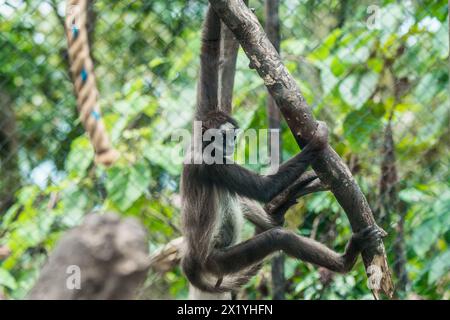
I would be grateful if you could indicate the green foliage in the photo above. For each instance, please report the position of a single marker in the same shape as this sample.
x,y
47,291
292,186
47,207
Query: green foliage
x,y
126,184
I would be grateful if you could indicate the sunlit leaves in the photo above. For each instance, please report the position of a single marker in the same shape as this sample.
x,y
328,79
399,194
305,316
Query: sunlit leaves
x,y
359,125
168,157
428,86
80,156
440,266
74,204
375,64
7,280
356,89
125,184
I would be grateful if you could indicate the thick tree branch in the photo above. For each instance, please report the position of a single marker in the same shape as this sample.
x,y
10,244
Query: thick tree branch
x,y
283,88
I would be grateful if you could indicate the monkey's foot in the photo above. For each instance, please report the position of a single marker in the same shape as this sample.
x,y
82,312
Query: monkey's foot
x,y
369,238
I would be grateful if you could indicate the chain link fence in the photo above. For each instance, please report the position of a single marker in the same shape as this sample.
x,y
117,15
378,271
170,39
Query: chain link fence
x,y
376,71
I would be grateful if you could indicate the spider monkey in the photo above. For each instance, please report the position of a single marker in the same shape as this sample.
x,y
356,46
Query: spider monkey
x,y
216,197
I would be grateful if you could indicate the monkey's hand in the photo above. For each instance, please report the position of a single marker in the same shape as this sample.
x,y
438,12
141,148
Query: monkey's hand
x,y
368,238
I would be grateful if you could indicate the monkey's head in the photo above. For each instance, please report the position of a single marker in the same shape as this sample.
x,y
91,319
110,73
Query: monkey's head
x,y
219,131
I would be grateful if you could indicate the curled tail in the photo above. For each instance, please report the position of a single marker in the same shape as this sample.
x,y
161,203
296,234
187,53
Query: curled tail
x,y
205,281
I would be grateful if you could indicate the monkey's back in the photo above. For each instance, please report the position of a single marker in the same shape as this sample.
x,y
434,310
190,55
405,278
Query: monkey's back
x,y
199,211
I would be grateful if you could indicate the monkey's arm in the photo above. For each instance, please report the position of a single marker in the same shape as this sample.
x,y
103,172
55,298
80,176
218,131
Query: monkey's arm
x,y
249,184
255,213
258,187
238,257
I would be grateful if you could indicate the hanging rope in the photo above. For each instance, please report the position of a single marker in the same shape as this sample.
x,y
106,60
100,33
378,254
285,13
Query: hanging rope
x,y
83,77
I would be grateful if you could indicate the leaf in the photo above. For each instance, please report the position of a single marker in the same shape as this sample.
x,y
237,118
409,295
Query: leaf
x,y
440,266
427,88
156,62
289,267
375,64
7,280
293,46
80,156
425,236
323,51
359,125
328,79
75,204
338,67
412,195
132,105
319,54
357,89
126,185
167,157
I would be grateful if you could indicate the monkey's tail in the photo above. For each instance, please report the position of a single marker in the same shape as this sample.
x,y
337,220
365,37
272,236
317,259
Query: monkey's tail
x,y
205,281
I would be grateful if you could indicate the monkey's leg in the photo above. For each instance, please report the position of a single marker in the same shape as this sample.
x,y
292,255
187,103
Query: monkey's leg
x,y
252,251
254,212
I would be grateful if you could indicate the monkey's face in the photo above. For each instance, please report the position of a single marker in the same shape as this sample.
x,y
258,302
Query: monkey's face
x,y
218,143
219,132
229,133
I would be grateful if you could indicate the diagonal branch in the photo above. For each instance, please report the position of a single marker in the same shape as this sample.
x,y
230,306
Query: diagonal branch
x,y
282,86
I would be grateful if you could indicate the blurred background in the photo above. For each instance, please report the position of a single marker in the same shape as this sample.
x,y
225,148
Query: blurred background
x,y
376,71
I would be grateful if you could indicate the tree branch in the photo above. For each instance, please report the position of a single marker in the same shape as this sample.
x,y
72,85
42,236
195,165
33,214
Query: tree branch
x,y
282,86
